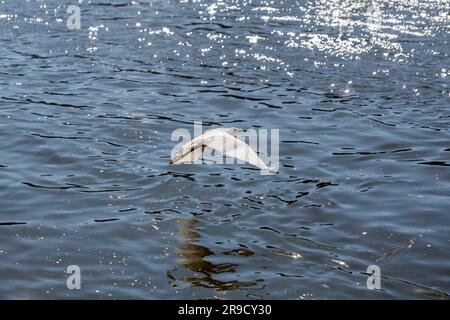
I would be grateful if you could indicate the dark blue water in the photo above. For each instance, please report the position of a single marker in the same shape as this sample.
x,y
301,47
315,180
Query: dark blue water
x,y
359,91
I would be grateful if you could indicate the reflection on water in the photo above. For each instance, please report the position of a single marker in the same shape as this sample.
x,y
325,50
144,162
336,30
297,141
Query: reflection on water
x,y
192,257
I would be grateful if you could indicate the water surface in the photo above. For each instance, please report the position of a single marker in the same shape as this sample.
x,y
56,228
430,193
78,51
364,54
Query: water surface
x,y
359,91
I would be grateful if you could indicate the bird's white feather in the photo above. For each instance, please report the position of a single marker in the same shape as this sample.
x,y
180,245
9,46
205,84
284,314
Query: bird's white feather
x,y
222,141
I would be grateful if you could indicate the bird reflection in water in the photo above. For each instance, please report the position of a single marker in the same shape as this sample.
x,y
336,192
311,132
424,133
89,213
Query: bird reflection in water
x,y
191,257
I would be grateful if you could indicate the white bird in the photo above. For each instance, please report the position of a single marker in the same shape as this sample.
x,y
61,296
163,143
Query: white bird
x,y
222,140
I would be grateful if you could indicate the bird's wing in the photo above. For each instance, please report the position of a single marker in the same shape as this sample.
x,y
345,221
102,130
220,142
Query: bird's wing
x,y
234,148
189,156
187,151
193,149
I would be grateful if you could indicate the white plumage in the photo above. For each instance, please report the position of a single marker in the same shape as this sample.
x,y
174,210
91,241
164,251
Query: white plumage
x,y
222,140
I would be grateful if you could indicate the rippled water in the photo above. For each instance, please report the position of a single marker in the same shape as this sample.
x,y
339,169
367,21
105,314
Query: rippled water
x,y
358,89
